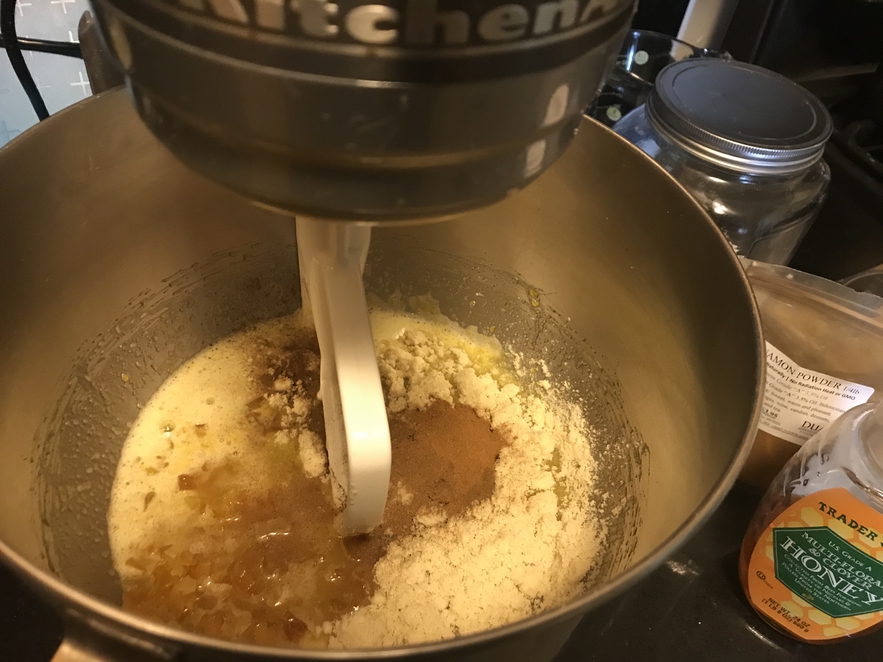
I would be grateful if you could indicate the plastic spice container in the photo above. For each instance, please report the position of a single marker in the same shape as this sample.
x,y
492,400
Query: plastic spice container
x,y
747,143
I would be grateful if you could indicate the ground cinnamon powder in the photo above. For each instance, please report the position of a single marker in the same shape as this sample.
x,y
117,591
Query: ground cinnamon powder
x,y
444,456
443,459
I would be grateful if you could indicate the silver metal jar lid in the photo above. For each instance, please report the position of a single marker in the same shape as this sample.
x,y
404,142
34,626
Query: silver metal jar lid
x,y
739,116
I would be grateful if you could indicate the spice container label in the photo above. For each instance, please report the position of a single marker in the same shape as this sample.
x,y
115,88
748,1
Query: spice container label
x,y
798,402
817,570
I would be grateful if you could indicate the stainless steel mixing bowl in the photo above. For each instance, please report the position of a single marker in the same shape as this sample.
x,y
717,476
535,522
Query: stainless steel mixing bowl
x,y
117,264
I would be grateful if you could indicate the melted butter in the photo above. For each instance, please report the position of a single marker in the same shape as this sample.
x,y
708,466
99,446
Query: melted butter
x,y
269,568
485,353
214,525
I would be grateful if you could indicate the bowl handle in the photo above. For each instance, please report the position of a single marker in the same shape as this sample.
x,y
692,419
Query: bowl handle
x,y
70,651
90,640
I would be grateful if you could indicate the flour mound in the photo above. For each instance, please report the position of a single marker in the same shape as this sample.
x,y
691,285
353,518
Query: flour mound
x,y
522,551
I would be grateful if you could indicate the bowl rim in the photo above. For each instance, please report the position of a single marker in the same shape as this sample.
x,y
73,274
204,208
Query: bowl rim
x,y
79,604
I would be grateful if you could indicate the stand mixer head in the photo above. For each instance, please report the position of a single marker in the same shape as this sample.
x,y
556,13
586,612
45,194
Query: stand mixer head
x,y
400,111
372,111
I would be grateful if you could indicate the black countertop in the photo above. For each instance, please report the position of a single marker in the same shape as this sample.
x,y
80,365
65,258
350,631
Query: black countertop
x,y
691,609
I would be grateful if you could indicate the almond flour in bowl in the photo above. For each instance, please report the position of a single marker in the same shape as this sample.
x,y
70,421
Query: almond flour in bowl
x,y
221,515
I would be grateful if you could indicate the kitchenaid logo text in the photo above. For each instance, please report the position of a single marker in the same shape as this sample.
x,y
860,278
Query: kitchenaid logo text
x,y
411,23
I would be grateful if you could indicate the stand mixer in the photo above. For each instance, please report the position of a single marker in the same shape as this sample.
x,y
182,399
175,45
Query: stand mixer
x,y
350,114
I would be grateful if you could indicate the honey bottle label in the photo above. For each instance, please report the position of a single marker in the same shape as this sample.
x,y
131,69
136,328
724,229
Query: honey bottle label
x,y
817,570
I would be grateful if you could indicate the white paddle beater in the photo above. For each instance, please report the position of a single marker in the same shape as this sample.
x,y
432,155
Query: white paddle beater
x,y
332,258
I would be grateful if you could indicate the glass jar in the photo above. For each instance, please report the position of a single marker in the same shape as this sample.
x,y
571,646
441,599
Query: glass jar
x,y
746,143
642,56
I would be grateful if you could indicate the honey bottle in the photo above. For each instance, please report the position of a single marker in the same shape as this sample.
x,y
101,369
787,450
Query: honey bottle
x,y
812,559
